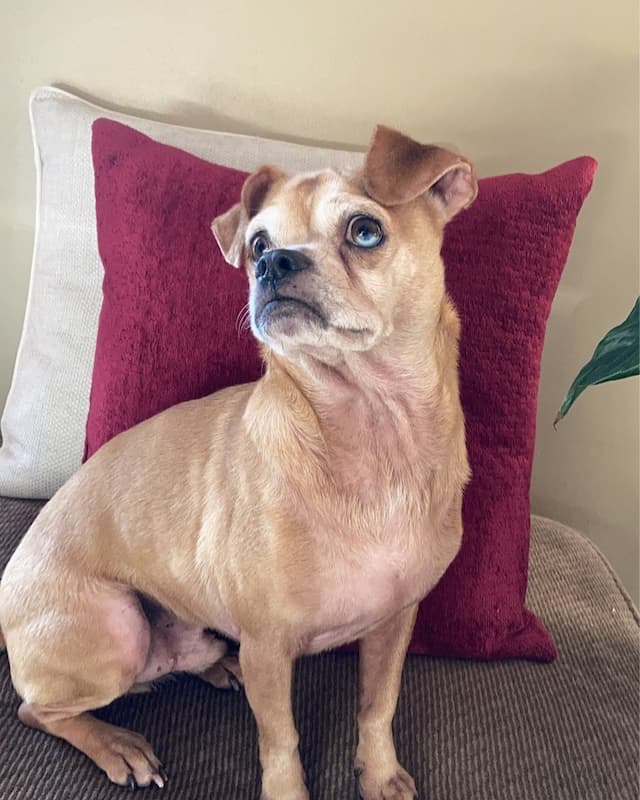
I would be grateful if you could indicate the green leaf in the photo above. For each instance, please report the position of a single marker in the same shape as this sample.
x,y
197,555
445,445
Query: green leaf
x,y
616,356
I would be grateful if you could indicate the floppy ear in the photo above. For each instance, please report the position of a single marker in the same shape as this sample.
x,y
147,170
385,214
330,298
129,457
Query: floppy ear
x,y
229,228
397,170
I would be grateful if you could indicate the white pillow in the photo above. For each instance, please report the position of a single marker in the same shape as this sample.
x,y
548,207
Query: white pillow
x,y
43,424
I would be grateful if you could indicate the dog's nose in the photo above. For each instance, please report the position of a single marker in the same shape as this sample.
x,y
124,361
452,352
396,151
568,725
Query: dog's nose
x,y
277,264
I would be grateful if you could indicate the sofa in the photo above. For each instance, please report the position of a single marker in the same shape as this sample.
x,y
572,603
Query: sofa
x,y
466,730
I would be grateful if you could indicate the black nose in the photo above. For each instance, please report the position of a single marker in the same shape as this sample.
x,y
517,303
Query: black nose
x,y
275,265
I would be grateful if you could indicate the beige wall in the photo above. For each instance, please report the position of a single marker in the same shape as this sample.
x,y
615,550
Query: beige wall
x,y
516,86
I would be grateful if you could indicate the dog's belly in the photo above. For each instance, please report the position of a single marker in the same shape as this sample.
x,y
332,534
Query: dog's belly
x,y
176,646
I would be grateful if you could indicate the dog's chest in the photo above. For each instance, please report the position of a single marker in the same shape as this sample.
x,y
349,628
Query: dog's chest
x,y
360,585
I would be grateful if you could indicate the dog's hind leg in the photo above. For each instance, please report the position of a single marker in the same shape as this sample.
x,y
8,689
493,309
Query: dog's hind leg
x,y
68,661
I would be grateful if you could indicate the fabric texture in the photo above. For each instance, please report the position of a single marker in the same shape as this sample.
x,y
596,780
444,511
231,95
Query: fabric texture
x,y
43,423
487,731
168,332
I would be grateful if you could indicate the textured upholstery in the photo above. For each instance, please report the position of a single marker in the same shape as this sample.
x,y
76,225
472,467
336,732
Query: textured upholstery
x,y
512,730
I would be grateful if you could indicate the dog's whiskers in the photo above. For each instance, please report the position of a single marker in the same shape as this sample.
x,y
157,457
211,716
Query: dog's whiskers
x,y
242,320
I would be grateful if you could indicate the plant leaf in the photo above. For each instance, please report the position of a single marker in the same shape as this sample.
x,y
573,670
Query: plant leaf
x,y
616,356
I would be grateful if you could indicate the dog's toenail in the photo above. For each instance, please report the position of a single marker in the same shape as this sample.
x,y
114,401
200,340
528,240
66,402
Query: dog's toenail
x,y
157,779
163,774
131,782
233,681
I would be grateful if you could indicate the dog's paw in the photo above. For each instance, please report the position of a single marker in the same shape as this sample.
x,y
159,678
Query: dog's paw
x,y
224,674
298,793
129,761
285,784
295,796
397,786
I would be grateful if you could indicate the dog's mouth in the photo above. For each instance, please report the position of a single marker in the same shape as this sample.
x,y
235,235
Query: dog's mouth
x,y
287,308
281,317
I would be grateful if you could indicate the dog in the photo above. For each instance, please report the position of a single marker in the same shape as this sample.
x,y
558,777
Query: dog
x,y
314,507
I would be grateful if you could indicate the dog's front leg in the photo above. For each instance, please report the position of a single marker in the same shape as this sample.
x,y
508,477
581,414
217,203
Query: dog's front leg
x,y
382,654
267,672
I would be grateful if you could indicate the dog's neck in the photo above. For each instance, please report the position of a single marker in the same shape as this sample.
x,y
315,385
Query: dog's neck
x,y
374,415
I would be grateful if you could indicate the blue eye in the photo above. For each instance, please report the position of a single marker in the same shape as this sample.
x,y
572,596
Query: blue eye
x,y
365,232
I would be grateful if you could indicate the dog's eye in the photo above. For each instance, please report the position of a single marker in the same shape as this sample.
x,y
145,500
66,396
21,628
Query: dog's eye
x,y
259,244
365,232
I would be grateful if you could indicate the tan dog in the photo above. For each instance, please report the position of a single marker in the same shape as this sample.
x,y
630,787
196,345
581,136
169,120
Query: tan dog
x,y
316,506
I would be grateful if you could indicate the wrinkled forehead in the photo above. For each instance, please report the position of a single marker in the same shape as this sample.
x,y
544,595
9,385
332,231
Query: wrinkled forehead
x,y
312,205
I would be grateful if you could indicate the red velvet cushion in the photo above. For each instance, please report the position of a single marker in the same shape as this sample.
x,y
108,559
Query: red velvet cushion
x,y
169,331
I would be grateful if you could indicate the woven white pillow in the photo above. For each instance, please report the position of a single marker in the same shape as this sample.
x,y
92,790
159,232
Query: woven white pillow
x,y
43,424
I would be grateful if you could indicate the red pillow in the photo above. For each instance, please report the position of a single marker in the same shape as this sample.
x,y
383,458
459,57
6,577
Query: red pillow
x,y
170,331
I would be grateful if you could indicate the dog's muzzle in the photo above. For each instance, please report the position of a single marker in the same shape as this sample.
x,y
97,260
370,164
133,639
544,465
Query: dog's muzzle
x,y
275,266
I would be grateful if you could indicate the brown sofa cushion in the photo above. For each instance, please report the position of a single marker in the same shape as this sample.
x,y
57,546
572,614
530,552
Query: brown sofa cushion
x,y
466,730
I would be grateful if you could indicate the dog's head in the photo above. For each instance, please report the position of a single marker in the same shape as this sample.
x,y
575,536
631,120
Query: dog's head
x,y
336,261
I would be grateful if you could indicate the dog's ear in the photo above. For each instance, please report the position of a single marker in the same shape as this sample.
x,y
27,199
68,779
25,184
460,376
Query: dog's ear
x,y
397,170
229,228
